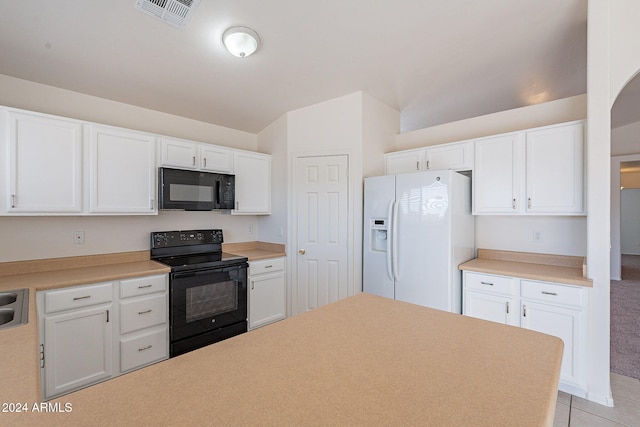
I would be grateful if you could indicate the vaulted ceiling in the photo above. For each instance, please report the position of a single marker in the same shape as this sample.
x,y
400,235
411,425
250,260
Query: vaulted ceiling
x,y
435,61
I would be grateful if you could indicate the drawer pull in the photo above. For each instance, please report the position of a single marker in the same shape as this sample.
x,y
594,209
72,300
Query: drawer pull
x,y
486,283
144,286
145,348
549,293
268,266
84,297
144,312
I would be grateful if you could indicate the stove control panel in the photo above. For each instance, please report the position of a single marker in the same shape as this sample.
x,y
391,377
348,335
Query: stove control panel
x,y
164,239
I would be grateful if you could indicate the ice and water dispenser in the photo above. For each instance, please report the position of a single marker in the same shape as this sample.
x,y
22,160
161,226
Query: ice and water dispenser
x,y
378,230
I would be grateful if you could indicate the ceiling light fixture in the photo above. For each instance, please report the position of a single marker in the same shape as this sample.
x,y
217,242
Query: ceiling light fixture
x,y
241,41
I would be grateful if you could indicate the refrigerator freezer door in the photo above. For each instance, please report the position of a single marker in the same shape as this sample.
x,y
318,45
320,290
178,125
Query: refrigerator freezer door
x,y
423,248
378,197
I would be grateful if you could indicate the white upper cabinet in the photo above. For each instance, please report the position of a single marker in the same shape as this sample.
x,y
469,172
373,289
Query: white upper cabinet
x,y
216,159
193,155
457,156
252,182
403,162
555,169
534,172
496,174
122,171
44,164
178,153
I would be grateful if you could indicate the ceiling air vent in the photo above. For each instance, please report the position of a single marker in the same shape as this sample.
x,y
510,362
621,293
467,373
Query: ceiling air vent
x,y
173,12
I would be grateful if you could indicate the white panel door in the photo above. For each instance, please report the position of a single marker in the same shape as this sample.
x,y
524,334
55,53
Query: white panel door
x,y
322,234
45,168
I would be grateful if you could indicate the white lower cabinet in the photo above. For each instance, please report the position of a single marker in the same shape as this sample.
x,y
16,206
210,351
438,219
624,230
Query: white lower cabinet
x,y
551,308
95,332
267,299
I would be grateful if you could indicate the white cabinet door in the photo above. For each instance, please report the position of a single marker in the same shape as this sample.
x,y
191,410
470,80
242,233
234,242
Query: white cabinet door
x,y
457,156
253,183
216,159
122,171
403,162
555,169
496,175
490,307
266,294
77,348
45,164
179,154
564,323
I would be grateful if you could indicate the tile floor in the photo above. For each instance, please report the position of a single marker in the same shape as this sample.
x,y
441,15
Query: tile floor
x,y
572,411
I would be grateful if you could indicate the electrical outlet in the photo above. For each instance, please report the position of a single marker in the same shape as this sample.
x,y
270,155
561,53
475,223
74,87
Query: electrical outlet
x,y
78,237
538,235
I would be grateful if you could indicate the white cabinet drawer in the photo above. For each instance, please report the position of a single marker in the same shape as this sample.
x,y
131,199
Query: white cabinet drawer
x,y
143,349
552,293
143,285
78,296
142,313
490,283
266,266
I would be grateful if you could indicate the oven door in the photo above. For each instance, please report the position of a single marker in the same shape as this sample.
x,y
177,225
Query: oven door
x,y
207,300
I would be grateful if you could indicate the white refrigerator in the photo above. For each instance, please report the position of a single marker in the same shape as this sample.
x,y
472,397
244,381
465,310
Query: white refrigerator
x,y
418,228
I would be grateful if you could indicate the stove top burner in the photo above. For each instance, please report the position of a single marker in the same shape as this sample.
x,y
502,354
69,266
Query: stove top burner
x,y
191,250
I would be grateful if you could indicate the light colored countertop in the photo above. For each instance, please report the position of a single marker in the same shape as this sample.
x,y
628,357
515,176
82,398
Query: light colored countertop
x,y
255,250
364,360
19,364
548,268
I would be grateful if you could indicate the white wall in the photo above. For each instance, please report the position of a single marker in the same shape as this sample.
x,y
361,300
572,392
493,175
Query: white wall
x,y
625,140
561,235
273,140
50,237
629,221
548,113
25,238
381,124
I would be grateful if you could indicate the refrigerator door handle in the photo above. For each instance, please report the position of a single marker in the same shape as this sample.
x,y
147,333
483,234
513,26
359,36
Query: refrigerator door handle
x,y
389,237
394,238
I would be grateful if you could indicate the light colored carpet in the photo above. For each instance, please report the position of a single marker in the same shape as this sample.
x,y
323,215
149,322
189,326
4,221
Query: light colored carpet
x,y
625,319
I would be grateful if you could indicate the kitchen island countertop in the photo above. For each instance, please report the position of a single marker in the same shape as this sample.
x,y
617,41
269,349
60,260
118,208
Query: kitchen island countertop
x,y
364,360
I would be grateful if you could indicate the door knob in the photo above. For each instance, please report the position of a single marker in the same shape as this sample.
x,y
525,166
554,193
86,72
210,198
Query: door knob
x,y
302,251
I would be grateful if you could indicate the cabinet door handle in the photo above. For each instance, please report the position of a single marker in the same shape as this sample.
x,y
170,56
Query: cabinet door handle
x,y
549,293
513,203
84,297
144,312
252,284
529,203
145,348
194,160
524,311
486,283
151,204
427,164
107,316
236,205
507,307
205,162
13,200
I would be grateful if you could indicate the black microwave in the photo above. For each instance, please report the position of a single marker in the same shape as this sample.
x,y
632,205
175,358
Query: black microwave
x,y
180,189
